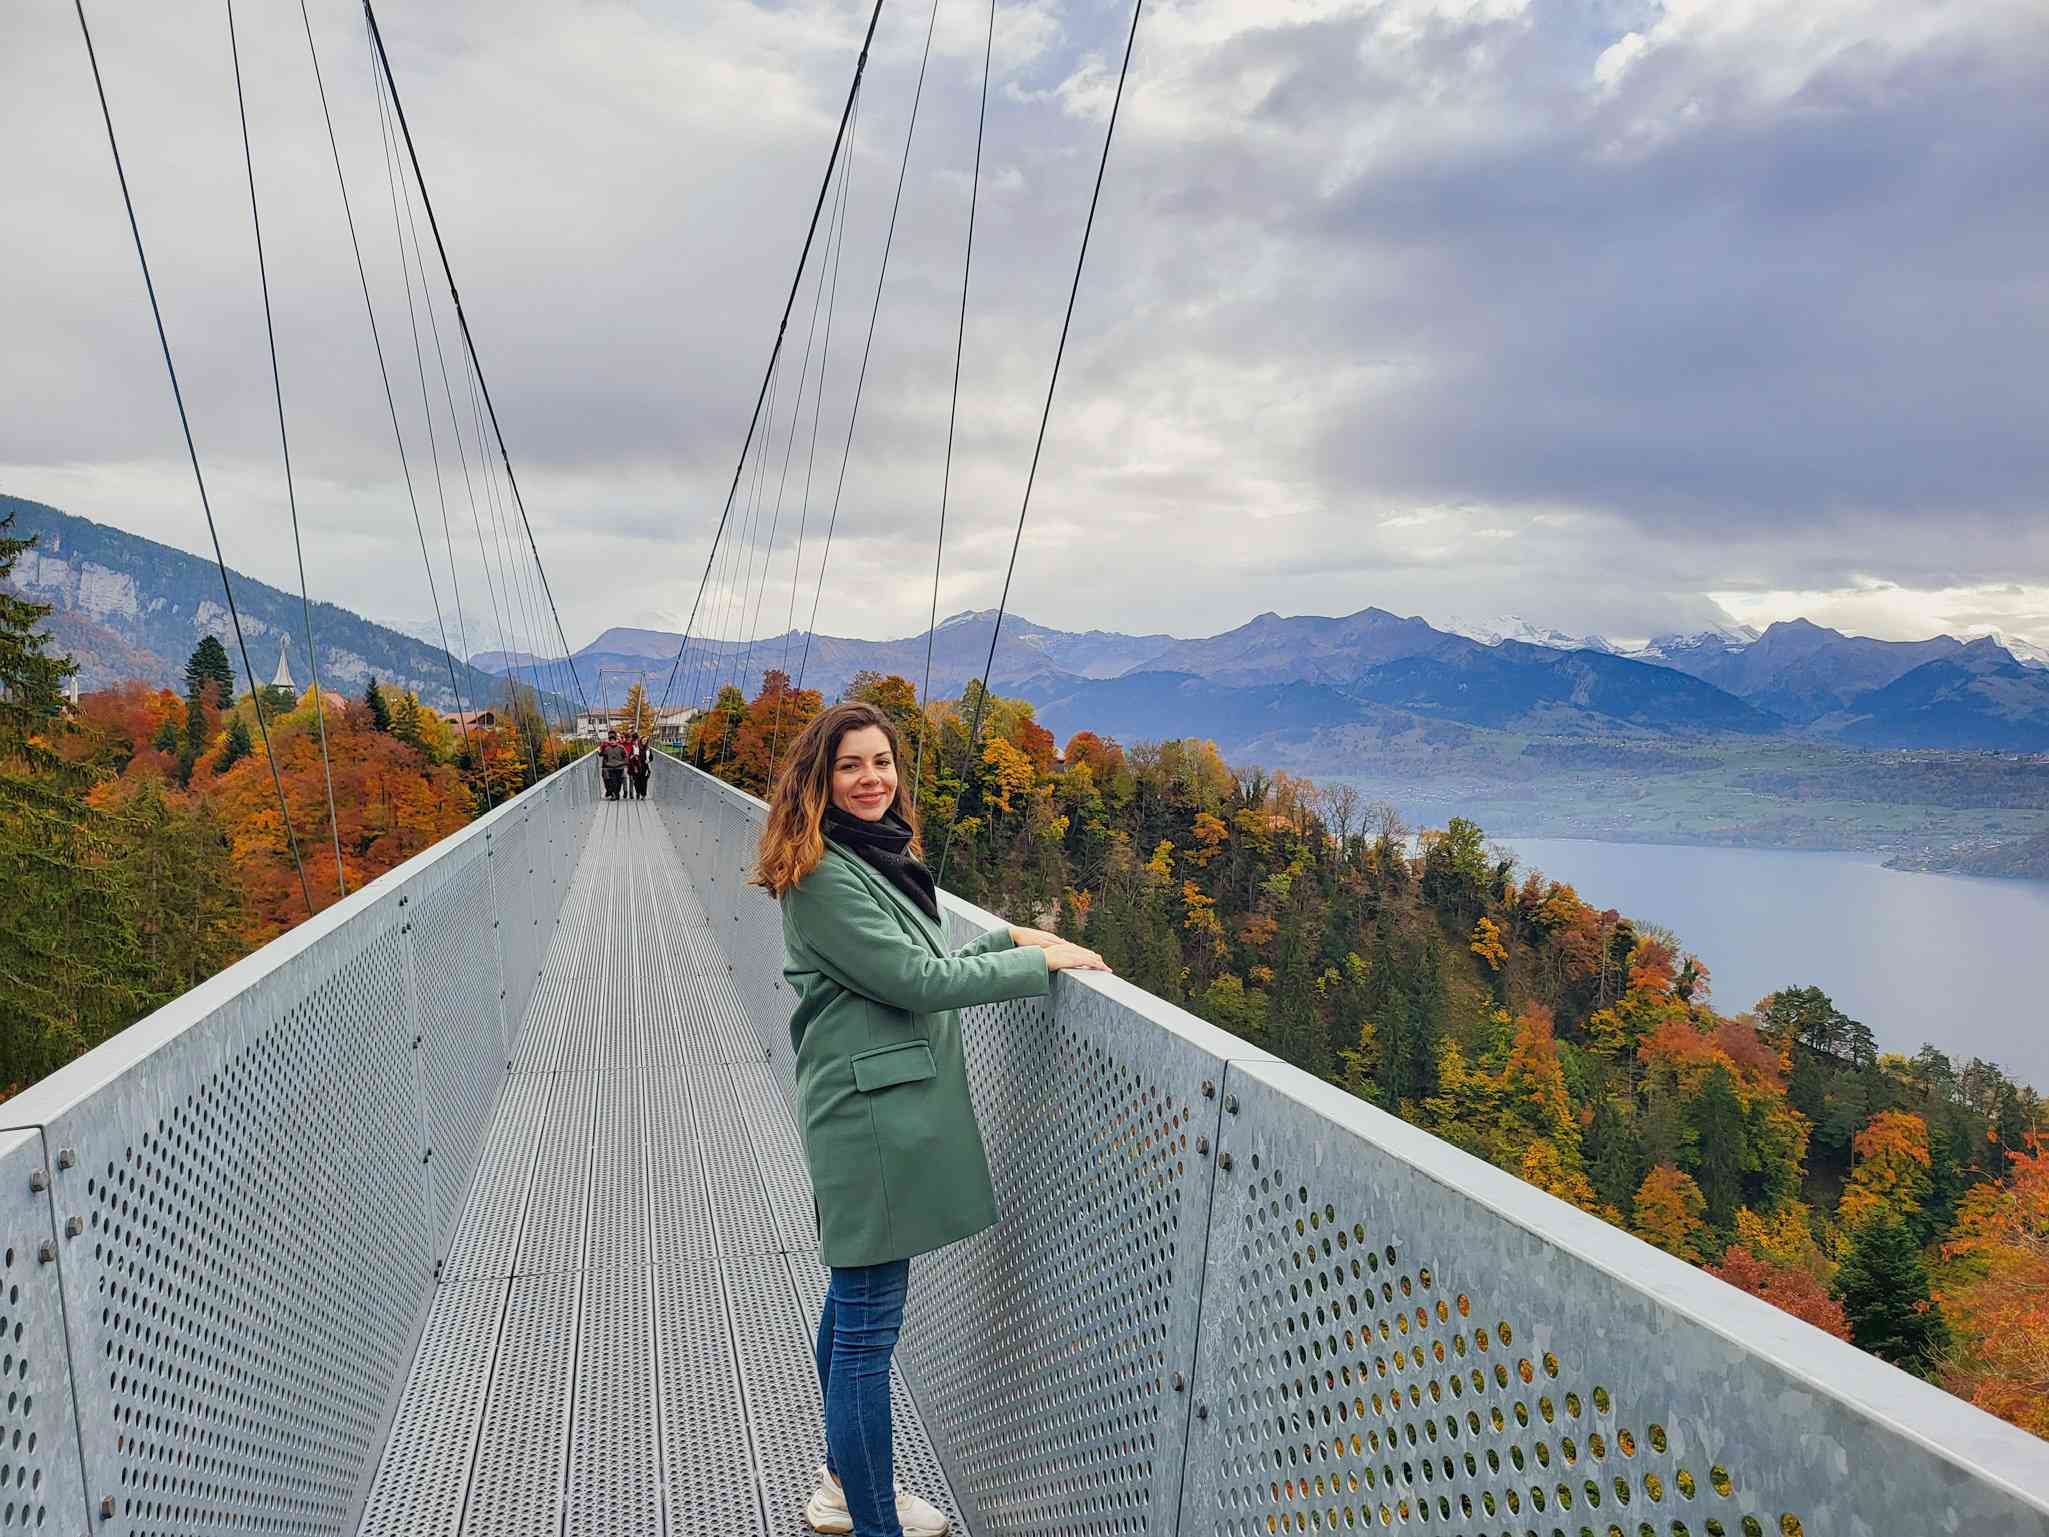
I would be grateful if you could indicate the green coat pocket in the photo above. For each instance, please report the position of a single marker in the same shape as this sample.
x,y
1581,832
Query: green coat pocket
x,y
881,1067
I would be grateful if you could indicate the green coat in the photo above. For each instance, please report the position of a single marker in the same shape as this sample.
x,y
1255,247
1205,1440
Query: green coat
x,y
897,1165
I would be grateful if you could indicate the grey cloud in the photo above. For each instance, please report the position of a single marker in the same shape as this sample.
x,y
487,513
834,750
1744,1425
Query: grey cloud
x,y
1384,258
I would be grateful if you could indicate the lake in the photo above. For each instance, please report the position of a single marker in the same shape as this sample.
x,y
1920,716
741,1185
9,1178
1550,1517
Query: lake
x,y
1918,957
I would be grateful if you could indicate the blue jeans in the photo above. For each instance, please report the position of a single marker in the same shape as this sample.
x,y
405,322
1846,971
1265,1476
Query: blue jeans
x,y
857,1332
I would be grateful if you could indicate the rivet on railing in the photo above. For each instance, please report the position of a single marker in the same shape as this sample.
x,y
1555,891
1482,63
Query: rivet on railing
x,y
107,1506
1231,1104
39,1180
1209,1089
1180,1383
45,1252
66,1157
1202,1147
1202,1411
73,1226
426,1155
1224,1161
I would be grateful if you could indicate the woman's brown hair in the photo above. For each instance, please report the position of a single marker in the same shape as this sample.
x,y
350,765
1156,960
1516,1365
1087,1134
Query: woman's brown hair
x,y
793,836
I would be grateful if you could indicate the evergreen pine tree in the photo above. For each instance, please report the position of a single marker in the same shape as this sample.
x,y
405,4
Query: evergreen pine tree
x,y
1722,1147
209,664
380,712
237,746
166,739
405,720
31,684
1615,1161
1883,1287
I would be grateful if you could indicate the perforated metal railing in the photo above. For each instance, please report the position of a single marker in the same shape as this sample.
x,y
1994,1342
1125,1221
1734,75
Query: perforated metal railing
x,y
220,1231
1226,1298
341,1242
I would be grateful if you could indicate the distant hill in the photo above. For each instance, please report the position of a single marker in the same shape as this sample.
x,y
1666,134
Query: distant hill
x,y
1803,671
960,648
128,607
1977,697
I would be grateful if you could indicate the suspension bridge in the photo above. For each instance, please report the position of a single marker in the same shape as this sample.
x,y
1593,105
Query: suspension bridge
x,y
475,1205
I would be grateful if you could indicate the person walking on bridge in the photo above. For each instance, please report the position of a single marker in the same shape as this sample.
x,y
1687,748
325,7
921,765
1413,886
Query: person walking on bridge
x,y
897,1162
612,764
636,765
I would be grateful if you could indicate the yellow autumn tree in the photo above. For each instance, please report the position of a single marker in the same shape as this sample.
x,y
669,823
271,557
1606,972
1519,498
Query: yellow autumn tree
x,y
1010,773
1671,1213
639,714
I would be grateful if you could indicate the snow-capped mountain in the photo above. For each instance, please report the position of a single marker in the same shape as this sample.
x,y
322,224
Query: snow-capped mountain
x,y
1492,632
1724,637
2026,652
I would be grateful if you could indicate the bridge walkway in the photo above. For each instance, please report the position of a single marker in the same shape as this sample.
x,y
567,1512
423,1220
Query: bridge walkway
x,y
620,1341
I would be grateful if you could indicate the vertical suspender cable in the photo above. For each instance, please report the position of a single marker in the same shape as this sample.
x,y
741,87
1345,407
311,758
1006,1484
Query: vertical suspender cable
x,y
395,179
390,400
341,876
839,250
867,348
1017,538
192,452
796,281
960,338
462,319
835,223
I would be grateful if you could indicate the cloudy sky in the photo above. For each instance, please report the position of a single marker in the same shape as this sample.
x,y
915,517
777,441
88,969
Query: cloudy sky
x,y
1618,315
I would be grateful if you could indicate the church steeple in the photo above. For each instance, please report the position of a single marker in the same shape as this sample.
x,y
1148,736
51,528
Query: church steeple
x,y
284,673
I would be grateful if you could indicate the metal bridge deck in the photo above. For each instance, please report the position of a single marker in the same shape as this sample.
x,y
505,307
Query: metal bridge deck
x,y
621,1339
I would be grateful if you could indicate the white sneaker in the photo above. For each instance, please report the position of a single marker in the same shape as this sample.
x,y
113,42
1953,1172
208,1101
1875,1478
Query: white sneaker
x,y
826,1510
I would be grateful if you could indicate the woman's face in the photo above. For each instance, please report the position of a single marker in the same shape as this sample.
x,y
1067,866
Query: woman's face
x,y
864,774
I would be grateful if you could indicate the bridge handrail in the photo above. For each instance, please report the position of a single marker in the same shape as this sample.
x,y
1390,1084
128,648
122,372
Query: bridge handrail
x,y
1227,1297
221,1227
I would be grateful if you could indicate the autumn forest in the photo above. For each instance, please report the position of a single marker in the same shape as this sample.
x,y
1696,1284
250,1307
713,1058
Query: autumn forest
x,y
1901,1202
141,844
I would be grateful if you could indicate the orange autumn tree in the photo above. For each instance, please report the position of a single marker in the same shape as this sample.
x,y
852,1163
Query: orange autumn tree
x,y
1891,1174
770,724
1783,1286
391,801
1998,1299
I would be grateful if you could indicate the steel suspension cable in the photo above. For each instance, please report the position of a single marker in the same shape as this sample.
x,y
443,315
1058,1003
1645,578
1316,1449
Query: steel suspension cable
x,y
441,360
1052,383
277,387
839,250
462,318
735,606
500,544
960,338
868,346
796,281
461,453
392,180
384,377
192,452
836,223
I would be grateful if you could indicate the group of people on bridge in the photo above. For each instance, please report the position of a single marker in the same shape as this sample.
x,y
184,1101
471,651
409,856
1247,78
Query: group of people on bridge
x,y
624,763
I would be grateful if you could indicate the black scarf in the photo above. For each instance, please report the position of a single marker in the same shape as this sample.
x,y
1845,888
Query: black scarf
x,y
885,844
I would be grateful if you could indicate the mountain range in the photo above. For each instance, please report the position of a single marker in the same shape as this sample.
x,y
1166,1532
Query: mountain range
x,y
1301,686
127,607
1300,689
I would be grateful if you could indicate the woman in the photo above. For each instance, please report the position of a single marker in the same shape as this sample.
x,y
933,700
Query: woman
x,y
897,1165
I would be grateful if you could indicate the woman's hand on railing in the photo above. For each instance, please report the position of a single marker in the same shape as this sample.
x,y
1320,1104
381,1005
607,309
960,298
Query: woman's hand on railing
x,y
1062,956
